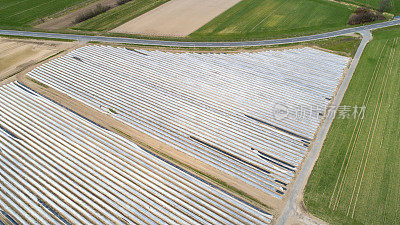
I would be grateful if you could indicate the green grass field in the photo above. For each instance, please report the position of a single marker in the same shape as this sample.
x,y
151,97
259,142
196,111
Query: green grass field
x,y
119,15
356,179
375,4
342,45
266,19
20,13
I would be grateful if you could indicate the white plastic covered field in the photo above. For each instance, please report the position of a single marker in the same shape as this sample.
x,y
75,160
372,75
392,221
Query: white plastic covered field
x,y
59,168
218,108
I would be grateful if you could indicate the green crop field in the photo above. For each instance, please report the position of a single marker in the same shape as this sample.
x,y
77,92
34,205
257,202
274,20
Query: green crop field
x,y
266,19
20,13
356,179
119,15
375,4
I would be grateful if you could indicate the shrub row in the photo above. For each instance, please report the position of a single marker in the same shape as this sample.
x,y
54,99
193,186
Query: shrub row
x,y
364,15
92,13
121,2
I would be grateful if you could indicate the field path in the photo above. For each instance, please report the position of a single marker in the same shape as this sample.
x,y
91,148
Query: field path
x,y
296,196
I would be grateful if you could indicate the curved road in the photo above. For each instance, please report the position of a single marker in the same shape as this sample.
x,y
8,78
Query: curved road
x,y
200,44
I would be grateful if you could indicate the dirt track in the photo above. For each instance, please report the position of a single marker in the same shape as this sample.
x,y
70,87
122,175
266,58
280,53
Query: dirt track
x,y
177,18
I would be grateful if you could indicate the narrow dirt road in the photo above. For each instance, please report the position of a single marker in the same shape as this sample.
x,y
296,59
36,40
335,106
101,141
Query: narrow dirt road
x,y
293,210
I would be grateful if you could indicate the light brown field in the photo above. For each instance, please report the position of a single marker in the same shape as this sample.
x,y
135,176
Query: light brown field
x,y
16,55
177,18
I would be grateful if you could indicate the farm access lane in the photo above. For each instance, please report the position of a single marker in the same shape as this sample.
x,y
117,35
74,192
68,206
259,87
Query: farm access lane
x,y
200,44
292,209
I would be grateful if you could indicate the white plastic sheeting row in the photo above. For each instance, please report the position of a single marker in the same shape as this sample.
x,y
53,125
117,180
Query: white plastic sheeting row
x,y
59,168
218,108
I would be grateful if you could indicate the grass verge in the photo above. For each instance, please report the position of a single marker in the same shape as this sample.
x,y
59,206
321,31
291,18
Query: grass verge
x,y
342,45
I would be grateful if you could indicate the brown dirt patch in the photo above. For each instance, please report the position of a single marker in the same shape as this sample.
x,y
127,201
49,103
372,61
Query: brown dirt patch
x,y
17,55
177,18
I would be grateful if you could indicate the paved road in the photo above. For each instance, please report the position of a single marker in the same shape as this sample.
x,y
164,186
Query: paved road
x,y
296,195
201,44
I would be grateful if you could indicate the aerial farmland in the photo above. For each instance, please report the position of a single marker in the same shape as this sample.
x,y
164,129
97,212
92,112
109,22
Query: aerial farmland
x,y
199,112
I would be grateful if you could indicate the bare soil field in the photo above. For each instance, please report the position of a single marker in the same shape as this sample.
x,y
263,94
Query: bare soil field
x,y
177,18
68,19
17,55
